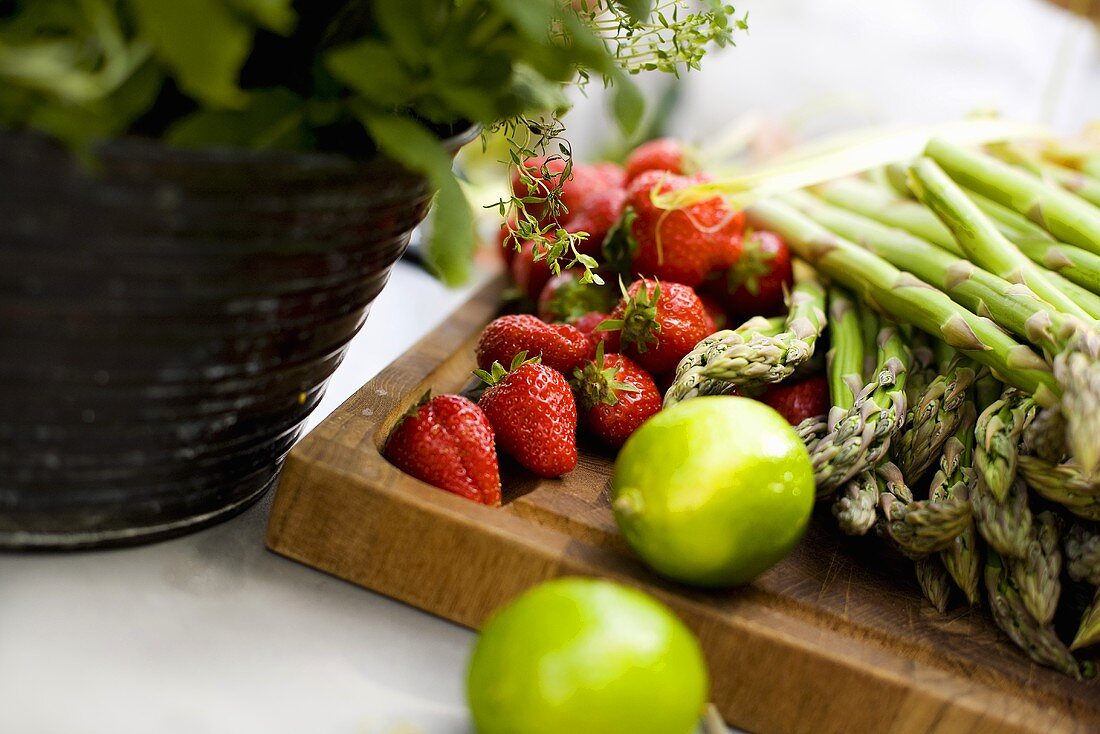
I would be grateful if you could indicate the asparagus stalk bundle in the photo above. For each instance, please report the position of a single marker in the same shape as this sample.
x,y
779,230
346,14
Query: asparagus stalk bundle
x,y
750,359
1064,215
906,299
980,239
964,328
1073,264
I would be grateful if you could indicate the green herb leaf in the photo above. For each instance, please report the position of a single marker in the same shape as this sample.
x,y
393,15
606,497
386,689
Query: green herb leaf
x,y
373,70
203,43
628,104
275,15
452,240
273,118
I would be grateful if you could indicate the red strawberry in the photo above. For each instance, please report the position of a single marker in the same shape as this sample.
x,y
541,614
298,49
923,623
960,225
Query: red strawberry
x,y
447,441
757,284
587,325
596,216
615,396
662,154
679,245
613,173
530,275
657,326
594,199
561,346
534,415
566,298
797,401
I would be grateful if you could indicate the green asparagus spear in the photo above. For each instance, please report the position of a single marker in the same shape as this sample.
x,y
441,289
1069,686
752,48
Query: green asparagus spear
x,y
933,418
860,438
1045,436
1005,526
1067,217
909,300
953,481
923,527
731,361
856,507
980,239
934,581
998,432
1063,483
1081,544
844,361
1088,631
1072,266
1077,182
1036,575
1040,642
883,206
1076,265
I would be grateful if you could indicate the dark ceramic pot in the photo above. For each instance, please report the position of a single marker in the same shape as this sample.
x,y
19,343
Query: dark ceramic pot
x,y
168,319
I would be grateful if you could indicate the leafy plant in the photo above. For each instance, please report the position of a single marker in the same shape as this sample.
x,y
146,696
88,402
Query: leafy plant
x,y
351,76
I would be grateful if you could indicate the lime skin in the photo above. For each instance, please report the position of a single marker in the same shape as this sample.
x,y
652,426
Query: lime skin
x,y
586,656
713,491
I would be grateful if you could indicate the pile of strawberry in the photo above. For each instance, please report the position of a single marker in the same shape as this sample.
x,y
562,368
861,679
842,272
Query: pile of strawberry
x,y
593,356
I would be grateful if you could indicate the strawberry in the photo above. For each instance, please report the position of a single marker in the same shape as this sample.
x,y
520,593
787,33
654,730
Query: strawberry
x,y
594,199
757,283
797,401
597,216
587,325
561,346
447,441
662,154
657,325
530,275
679,245
566,298
612,173
533,414
614,396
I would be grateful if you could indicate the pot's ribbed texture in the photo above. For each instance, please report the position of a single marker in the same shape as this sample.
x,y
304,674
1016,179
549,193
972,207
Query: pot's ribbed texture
x,y
167,321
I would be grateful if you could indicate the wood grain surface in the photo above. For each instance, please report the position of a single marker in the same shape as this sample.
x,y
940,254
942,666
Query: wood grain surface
x,y
836,638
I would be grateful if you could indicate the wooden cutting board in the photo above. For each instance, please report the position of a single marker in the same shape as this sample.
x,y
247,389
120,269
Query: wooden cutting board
x,y
836,638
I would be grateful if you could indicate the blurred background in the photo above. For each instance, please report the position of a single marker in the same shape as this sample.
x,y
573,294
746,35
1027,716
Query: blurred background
x,y
811,67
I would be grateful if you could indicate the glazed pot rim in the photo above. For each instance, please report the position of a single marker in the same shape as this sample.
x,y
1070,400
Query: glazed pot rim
x,y
152,149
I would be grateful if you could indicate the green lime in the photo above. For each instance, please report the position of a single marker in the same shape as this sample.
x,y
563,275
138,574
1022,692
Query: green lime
x,y
584,656
713,491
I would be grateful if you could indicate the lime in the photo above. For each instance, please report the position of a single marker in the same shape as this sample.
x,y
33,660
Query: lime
x,y
584,656
713,491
